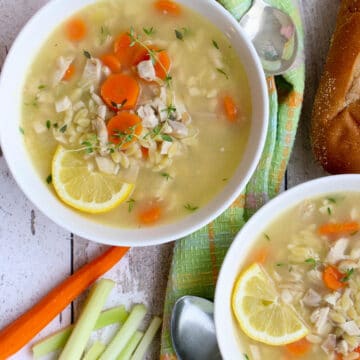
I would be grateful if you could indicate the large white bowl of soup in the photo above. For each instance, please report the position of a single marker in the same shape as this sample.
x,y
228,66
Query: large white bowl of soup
x,y
289,285
132,122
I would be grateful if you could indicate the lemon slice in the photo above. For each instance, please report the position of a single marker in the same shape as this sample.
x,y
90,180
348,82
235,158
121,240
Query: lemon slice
x,y
259,310
80,186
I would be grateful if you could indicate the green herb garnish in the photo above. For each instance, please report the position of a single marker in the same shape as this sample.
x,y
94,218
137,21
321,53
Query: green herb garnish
x,y
246,356
87,54
55,125
48,124
267,237
332,200
63,128
149,31
41,87
170,110
104,34
215,44
21,130
166,176
166,137
312,262
221,71
179,35
49,179
347,275
280,264
329,211
131,204
190,207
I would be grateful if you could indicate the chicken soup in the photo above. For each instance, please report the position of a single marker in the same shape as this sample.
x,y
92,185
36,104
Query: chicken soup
x,y
136,112
298,295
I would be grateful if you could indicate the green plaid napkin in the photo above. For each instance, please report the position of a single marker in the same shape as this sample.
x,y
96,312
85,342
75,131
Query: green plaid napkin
x,y
197,258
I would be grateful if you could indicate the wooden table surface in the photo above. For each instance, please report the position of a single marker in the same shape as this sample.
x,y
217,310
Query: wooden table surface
x,y
36,254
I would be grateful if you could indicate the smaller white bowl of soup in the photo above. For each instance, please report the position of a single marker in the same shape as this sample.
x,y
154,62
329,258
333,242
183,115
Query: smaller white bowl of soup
x,y
289,287
133,122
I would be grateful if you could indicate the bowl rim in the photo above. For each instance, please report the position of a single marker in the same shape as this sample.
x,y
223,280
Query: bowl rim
x,y
59,213
232,264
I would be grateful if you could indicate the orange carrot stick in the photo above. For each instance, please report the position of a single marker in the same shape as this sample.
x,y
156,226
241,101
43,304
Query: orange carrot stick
x,y
230,108
69,72
22,330
339,228
168,7
120,91
123,129
75,29
150,215
332,278
112,62
298,348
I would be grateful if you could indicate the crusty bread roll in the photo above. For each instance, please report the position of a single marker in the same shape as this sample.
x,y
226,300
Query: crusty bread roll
x,y
335,132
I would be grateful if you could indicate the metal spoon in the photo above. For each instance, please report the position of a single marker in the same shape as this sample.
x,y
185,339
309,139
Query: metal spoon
x,y
193,330
273,34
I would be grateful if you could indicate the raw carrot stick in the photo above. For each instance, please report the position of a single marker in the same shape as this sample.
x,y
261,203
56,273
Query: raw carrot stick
x,y
22,330
120,92
69,72
76,29
230,108
162,64
112,62
299,347
124,51
332,278
150,215
123,129
168,7
339,228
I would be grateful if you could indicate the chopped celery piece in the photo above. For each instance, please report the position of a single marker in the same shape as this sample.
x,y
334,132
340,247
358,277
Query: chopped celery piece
x,y
125,333
58,340
80,335
147,339
131,346
95,351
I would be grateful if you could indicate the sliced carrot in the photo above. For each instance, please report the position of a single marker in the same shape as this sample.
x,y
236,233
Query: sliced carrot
x,y
123,129
298,348
145,152
230,108
150,215
124,51
120,90
22,330
332,278
69,72
112,62
261,255
163,63
339,356
168,7
76,29
339,228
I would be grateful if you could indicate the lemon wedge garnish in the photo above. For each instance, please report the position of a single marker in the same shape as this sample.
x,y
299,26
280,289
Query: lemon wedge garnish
x,y
260,312
82,187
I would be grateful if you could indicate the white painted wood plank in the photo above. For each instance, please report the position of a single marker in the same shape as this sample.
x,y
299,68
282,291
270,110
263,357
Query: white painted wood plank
x,y
319,20
34,252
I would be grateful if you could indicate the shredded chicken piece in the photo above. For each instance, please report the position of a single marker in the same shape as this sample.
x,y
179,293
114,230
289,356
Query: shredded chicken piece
x,y
63,104
329,344
102,133
319,317
351,328
148,116
312,298
332,298
337,251
146,70
92,73
342,347
106,165
62,64
178,129
165,146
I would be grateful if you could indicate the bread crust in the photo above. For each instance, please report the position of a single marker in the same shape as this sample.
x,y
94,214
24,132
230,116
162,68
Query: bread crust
x,y
335,131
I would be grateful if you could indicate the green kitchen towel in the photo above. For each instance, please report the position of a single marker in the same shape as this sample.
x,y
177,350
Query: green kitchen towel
x,y
197,258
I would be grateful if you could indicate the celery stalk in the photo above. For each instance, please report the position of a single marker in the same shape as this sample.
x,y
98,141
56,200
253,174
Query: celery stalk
x,y
147,339
80,335
95,351
125,333
58,340
131,346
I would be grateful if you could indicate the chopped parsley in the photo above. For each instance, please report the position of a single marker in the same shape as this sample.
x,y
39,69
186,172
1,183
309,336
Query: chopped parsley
x,y
312,262
280,264
225,179
131,204
348,274
21,130
267,237
41,87
63,128
332,200
149,31
167,80
166,176
216,46
190,207
56,125
166,137
48,124
180,34
329,211
87,54
170,110
246,356
49,179
221,71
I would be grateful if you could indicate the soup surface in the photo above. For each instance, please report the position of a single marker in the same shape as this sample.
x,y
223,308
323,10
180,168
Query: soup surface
x,y
310,258
136,112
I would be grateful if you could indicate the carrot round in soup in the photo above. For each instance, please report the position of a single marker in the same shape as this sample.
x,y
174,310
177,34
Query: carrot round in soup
x,y
168,7
120,92
76,29
124,50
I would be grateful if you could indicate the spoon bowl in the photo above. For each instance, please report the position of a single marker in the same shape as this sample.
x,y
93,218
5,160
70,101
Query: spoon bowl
x,y
274,36
193,330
